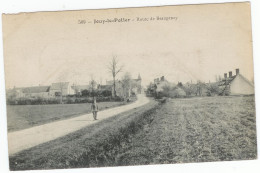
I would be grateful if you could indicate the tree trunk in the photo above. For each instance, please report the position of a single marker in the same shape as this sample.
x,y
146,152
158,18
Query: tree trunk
x,y
114,86
61,98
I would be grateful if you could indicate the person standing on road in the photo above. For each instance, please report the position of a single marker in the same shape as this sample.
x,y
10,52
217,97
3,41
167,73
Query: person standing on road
x,y
94,109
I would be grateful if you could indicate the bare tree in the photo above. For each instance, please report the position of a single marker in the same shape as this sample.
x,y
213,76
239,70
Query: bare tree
x,y
114,69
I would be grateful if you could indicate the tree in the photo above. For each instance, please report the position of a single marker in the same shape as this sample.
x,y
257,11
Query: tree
x,y
126,83
106,93
85,93
199,88
114,69
93,85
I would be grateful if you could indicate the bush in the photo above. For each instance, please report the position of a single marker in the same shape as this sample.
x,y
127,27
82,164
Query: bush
x,y
213,90
172,92
177,93
117,99
70,100
104,99
85,93
106,93
56,100
33,101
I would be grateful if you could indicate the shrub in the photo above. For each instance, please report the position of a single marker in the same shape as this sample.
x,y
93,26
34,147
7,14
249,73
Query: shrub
x,y
213,90
106,93
85,93
177,93
118,99
172,92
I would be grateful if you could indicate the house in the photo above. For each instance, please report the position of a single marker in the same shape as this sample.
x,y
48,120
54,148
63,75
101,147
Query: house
x,y
79,88
236,84
105,87
137,85
134,88
64,88
119,88
29,92
37,91
41,91
160,84
14,93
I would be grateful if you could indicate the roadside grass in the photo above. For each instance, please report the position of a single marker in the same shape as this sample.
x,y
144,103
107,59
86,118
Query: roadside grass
x,y
97,145
24,116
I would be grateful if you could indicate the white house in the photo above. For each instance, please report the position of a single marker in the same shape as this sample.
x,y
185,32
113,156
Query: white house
x,y
64,88
236,85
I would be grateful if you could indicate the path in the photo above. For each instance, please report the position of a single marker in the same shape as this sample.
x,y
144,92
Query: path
x,y
27,138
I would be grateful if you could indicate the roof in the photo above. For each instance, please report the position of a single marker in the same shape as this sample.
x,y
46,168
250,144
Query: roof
x,y
250,83
136,80
81,87
111,82
105,87
229,80
226,81
59,85
35,89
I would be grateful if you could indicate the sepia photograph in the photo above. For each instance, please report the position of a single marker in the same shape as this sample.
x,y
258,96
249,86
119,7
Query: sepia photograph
x,y
129,86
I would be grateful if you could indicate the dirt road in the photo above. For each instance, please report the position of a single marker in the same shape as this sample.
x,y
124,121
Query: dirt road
x,y
24,139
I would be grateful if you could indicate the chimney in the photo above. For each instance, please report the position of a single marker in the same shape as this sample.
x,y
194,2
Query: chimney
x,y
237,71
162,78
230,74
225,75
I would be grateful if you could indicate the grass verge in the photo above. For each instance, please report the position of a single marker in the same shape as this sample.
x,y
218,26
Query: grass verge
x,y
25,116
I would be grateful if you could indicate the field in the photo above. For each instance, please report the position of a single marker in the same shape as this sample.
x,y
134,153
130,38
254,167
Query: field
x,y
197,130
24,116
175,131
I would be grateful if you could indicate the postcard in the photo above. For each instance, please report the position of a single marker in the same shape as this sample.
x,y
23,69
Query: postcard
x,y
129,86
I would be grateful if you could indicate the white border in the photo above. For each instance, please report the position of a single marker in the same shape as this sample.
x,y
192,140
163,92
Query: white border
x,y
15,6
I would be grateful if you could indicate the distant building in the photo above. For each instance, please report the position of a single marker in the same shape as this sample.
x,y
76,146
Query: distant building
x,y
236,85
41,91
135,88
136,85
64,88
29,92
105,88
38,91
160,83
79,88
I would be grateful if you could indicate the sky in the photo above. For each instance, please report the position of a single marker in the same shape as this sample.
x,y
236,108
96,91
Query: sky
x,y
202,42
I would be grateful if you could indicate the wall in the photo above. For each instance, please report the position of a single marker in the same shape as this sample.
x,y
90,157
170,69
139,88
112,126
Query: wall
x,y
241,86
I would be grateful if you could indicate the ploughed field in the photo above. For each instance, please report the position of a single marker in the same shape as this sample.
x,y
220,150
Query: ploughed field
x,y
24,116
197,130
